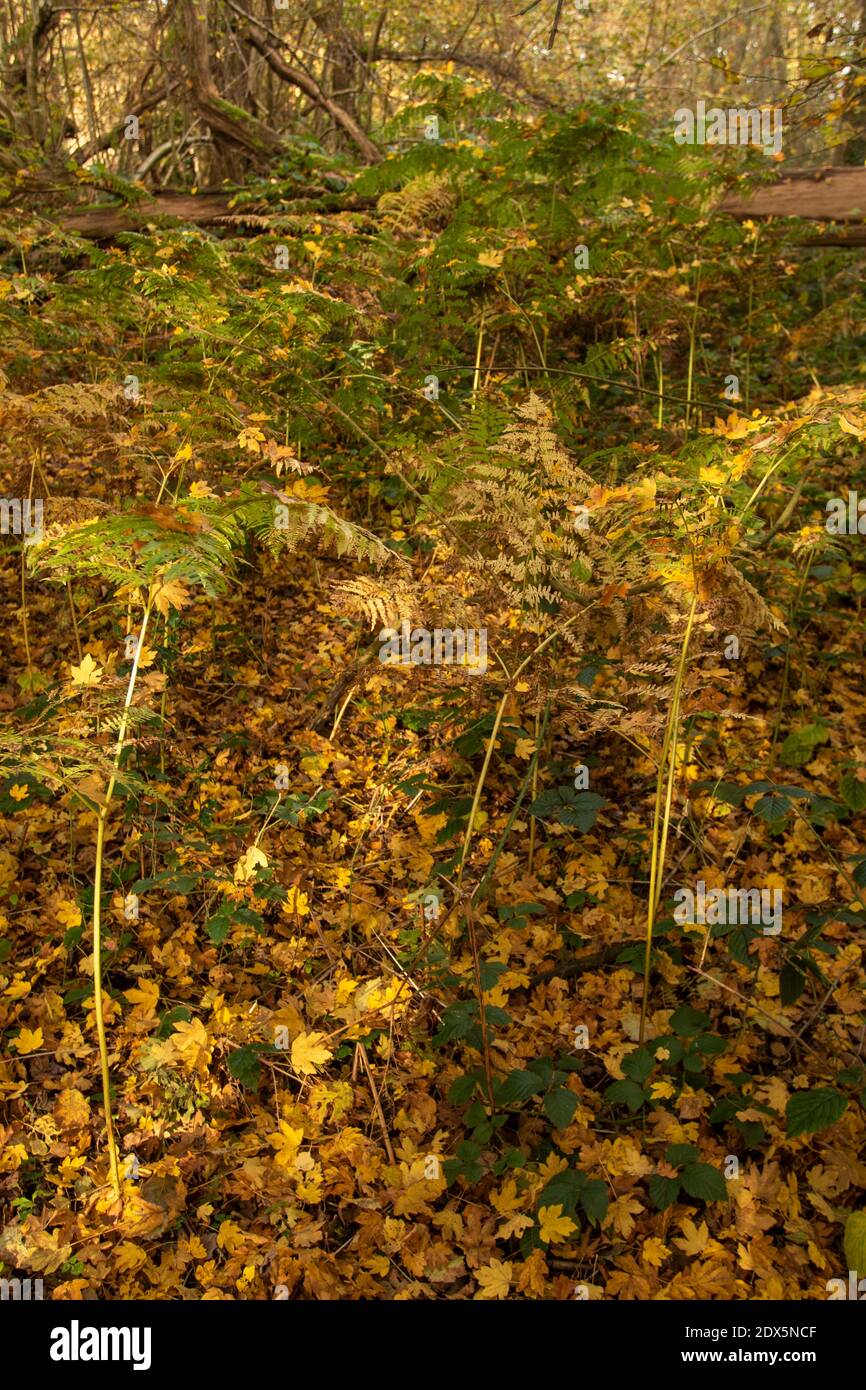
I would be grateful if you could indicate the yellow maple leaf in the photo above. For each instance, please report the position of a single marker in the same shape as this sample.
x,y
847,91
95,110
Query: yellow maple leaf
x,y
553,1165
694,1237
168,594
190,1043
532,1274
19,792
70,1168
310,1189
738,426
249,861
72,1109
554,1226
87,673
514,1226
231,1237
654,1252
12,1158
662,1090
308,1054
412,1201
69,915
492,258
296,902
286,1140
145,995
308,491
28,1040
623,1212
495,1279
129,1257
712,474
507,1198
251,440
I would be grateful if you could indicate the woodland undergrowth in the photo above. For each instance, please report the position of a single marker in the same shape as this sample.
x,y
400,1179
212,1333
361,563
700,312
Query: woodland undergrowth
x,y
323,976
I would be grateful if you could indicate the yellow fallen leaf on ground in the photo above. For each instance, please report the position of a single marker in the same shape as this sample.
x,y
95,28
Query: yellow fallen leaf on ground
x,y
654,1252
69,915
694,1238
308,1054
555,1226
144,995
72,1109
87,673
28,1040
286,1141
130,1257
296,902
494,1279
190,1042
249,861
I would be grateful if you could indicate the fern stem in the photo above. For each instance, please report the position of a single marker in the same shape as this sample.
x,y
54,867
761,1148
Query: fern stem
x,y
477,376
693,328
74,618
531,855
102,817
660,368
530,776
661,823
787,673
482,1012
24,612
479,786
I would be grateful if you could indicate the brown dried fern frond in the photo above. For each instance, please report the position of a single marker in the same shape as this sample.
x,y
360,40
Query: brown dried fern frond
x,y
382,605
733,602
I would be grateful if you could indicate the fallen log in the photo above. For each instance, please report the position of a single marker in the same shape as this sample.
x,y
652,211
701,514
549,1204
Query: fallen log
x,y
106,220
103,221
818,195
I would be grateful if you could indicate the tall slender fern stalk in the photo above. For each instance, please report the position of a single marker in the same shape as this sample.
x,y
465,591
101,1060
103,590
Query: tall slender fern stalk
x,y
661,818
101,819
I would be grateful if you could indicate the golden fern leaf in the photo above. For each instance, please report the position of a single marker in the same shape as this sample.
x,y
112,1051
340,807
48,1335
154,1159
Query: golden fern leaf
x,y
384,606
423,202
